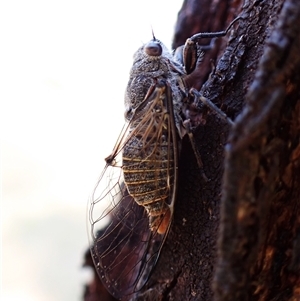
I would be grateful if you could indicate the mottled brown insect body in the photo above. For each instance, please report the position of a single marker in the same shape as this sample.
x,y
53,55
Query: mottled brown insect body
x,y
148,156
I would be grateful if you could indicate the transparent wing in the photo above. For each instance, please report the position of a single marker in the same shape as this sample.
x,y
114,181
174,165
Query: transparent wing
x,y
123,247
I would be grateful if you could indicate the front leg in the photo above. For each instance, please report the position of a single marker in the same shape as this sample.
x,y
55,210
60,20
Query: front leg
x,y
198,97
195,118
188,127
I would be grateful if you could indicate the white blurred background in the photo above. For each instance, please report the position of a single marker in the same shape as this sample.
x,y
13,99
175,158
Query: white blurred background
x,y
64,67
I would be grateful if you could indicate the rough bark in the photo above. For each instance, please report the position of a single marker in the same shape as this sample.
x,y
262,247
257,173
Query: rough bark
x,y
237,236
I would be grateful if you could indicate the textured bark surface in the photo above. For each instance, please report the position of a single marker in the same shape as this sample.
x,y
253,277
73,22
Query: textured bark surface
x,y
237,236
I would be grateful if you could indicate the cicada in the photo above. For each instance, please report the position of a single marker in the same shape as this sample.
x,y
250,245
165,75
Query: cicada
x,y
133,200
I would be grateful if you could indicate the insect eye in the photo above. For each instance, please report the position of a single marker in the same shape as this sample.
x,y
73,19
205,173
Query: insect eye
x,y
153,48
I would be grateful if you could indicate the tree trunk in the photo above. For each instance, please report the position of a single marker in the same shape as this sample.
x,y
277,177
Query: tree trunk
x,y
237,236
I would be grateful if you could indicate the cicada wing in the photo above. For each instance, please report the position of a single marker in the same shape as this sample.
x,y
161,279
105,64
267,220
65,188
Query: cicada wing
x,y
124,249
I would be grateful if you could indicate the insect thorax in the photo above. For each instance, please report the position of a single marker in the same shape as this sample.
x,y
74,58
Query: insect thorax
x,y
146,72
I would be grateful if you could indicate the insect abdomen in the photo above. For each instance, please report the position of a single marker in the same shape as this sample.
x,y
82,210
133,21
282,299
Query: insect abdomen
x,y
148,178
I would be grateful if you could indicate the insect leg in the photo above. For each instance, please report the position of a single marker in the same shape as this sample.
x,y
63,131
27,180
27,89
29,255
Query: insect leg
x,y
203,35
211,105
187,125
191,53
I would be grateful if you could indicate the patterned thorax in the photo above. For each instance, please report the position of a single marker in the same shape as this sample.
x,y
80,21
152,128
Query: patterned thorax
x,y
153,62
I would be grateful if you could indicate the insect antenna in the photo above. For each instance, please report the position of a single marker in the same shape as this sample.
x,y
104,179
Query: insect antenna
x,y
154,38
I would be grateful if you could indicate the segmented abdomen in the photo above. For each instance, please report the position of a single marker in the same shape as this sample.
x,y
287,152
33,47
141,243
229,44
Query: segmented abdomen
x,y
148,174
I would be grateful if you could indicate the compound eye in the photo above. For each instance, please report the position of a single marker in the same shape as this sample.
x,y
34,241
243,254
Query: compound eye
x,y
153,49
